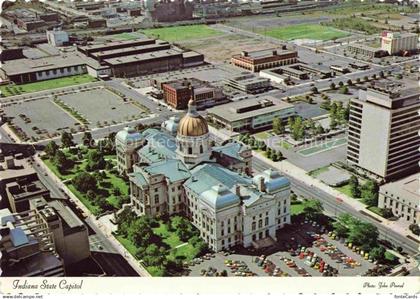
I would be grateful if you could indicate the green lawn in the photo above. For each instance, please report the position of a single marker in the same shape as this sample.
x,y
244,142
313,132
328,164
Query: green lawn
x,y
304,31
285,144
322,147
263,135
296,208
346,190
168,237
94,209
375,210
176,33
317,172
10,90
127,36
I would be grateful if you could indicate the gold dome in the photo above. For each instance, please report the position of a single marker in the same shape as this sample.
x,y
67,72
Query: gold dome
x,y
192,124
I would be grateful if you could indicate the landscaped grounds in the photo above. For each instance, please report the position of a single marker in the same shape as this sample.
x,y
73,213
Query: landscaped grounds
x,y
11,90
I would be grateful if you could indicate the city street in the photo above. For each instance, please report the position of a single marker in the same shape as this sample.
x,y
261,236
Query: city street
x,y
334,207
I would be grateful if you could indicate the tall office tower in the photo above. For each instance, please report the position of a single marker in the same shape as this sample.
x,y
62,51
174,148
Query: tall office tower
x,y
384,129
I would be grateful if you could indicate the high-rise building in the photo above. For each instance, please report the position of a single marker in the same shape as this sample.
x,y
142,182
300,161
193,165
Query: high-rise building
x,y
383,129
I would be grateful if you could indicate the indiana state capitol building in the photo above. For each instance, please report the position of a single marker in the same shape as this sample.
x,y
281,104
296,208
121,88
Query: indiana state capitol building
x,y
175,170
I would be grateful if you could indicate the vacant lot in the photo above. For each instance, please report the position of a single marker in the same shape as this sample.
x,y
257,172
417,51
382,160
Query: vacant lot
x,y
178,33
11,90
221,48
304,31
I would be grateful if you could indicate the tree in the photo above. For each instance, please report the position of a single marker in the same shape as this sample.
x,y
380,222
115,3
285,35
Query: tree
x,y
387,213
370,193
87,139
415,229
51,148
96,160
358,80
332,86
297,129
154,255
326,104
319,130
344,90
293,197
182,227
278,126
312,209
377,253
349,82
364,234
340,229
333,123
61,161
84,182
354,187
381,74
314,89
67,139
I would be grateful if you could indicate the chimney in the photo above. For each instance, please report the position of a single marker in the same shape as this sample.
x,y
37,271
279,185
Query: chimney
x,y
244,53
238,190
261,184
275,53
284,47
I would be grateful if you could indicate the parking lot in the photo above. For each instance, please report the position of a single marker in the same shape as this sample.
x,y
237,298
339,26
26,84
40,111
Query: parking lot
x,y
39,118
302,250
101,104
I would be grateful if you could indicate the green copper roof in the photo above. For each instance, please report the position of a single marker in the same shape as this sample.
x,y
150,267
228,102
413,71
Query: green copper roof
x,y
173,169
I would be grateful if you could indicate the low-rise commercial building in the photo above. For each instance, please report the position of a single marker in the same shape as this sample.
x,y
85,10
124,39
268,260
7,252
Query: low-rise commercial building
x,y
251,114
398,43
298,71
177,93
402,197
248,83
256,61
365,50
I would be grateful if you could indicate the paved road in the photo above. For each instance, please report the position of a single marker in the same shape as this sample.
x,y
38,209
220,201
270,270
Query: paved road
x,y
334,207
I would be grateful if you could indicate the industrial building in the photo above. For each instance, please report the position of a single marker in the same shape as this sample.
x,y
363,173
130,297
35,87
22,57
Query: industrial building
x,y
251,114
365,50
26,70
256,61
402,197
388,114
399,43
141,56
248,83
168,11
177,93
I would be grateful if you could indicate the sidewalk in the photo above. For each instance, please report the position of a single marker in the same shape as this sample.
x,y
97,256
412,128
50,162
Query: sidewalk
x,y
96,223
300,174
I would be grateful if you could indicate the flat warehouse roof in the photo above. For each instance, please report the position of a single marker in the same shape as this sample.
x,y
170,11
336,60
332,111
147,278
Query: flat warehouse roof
x,y
123,43
230,112
128,49
24,65
142,57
